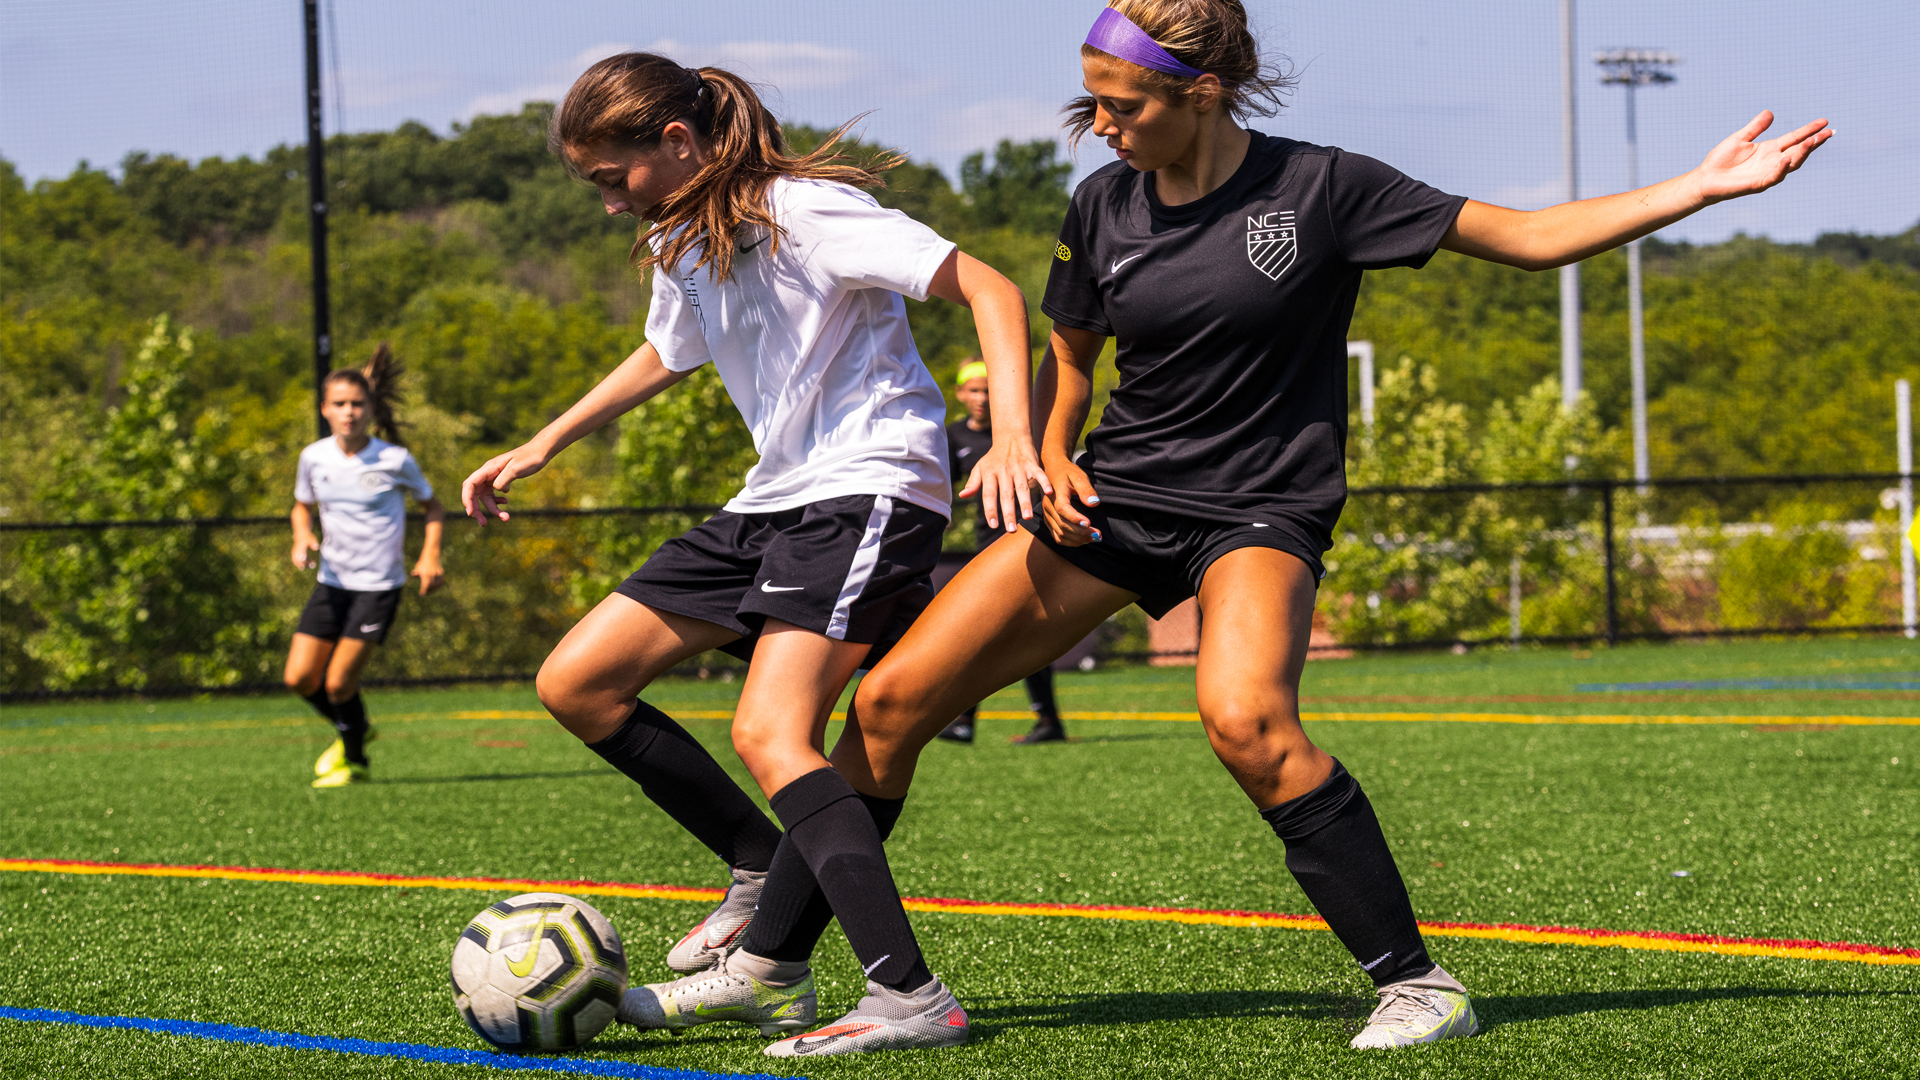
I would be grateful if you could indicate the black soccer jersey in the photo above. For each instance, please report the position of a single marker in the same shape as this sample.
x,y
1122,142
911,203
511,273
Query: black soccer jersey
x,y
965,448
1231,315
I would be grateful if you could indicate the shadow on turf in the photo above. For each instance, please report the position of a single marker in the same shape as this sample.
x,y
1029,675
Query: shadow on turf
x,y
481,778
1494,1011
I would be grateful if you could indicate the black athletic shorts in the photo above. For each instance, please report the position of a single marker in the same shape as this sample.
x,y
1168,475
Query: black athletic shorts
x,y
855,568
333,613
1163,556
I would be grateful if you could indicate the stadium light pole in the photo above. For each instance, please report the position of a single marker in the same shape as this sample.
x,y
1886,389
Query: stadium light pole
x,y
317,218
1634,68
1569,274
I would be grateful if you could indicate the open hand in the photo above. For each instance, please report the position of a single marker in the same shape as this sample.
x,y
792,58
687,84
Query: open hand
x,y
1739,166
484,493
1004,480
1070,525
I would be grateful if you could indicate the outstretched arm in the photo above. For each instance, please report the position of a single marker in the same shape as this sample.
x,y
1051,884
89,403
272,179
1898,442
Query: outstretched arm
x,y
638,378
1558,235
1004,475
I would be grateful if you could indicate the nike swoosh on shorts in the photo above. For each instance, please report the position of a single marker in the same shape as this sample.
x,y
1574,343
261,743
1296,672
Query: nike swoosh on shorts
x,y
368,628
768,586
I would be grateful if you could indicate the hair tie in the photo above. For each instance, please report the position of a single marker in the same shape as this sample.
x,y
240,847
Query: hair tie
x,y
1118,36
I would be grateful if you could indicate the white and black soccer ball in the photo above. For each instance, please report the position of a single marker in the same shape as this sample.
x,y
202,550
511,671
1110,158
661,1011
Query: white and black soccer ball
x,y
539,971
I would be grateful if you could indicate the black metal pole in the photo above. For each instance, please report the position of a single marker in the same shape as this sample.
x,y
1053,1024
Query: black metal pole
x,y
317,217
1606,525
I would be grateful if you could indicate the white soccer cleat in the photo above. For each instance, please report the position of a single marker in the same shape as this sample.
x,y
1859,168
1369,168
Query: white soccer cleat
x,y
928,1018
724,928
1427,1009
731,991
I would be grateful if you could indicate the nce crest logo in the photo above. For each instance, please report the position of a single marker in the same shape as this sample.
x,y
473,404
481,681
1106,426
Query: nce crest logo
x,y
1270,243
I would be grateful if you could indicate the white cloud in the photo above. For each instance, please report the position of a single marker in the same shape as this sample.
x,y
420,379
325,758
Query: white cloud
x,y
785,65
981,125
1530,196
551,85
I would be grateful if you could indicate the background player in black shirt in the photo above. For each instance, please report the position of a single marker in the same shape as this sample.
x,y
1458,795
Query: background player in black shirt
x,y
968,440
1226,263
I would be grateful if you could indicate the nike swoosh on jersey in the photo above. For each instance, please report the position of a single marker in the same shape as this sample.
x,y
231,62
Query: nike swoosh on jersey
x,y
1118,263
755,244
768,586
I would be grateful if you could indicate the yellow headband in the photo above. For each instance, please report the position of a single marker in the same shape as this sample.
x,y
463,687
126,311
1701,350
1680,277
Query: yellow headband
x,y
970,371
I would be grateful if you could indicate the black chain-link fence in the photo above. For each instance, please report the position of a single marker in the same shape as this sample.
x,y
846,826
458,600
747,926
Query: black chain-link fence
x,y
154,607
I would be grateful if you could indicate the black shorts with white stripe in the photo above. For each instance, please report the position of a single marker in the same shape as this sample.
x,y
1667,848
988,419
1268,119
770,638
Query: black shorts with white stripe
x,y
856,569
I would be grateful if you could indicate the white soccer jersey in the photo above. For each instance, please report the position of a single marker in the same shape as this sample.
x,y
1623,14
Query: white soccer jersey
x,y
363,516
814,349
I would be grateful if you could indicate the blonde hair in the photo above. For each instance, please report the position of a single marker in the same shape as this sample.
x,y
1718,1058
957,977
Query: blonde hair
x,y
628,100
1211,35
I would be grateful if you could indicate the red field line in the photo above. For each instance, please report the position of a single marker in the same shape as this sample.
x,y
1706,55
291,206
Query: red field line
x,y
1650,940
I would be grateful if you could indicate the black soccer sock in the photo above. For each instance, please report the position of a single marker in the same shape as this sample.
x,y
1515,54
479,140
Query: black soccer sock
x,y
350,720
793,912
1337,853
836,835
321,703
678,774
1040,692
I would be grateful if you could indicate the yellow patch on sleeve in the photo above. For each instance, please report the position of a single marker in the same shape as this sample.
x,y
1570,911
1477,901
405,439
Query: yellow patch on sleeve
x,y
1062,253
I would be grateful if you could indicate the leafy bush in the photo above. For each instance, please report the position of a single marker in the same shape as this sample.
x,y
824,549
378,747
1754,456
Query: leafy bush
x,y
130,607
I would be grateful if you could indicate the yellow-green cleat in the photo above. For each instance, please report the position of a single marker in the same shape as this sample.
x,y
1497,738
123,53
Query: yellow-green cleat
x,y
1427,1009
336,755
347,773
735,990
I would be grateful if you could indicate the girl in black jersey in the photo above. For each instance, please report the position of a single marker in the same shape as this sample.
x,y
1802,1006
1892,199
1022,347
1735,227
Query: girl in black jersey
x,y
1226,263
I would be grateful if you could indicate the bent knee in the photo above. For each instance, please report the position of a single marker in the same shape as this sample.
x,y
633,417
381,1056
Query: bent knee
x,y
1255,728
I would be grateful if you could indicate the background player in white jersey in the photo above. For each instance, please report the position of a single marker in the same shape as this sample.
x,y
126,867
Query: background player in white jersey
x,y
779,271
1226,264
356,483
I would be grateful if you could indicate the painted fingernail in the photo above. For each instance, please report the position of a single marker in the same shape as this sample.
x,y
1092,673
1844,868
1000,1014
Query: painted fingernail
x,y
1093,500
1097,537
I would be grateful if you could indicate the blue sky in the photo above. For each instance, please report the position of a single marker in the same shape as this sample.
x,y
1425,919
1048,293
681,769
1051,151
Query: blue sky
x,y
1463,95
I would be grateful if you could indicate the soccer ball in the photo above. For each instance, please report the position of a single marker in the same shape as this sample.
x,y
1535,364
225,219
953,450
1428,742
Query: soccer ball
x,y
539,971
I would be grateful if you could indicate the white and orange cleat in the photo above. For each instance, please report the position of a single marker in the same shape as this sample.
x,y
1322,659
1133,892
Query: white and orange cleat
x,y
724,928
928,1018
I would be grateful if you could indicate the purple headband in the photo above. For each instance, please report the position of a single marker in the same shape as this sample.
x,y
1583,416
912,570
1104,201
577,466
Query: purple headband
x,y
1116,35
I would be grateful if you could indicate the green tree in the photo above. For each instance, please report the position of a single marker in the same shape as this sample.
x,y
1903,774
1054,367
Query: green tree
x,y
141,607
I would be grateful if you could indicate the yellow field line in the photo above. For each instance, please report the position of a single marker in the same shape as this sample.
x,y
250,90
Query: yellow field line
x,y
1178,717
1645,940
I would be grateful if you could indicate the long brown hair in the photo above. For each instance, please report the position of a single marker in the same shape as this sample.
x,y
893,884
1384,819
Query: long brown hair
x,y
380,381
629,99
1211,35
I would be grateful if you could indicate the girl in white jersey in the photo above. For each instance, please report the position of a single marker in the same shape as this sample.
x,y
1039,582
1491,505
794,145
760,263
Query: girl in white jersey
x,y
355,481
786,277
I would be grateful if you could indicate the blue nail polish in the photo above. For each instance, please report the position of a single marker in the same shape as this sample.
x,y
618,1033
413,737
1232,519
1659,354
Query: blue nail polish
x,y
1093,500
1097,537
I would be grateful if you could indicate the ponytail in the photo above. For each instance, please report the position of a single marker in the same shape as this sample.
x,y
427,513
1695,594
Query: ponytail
x,y
380,381
630,99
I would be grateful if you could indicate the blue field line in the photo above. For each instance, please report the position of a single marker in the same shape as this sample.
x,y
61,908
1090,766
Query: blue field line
x,y
1900,680
442,1055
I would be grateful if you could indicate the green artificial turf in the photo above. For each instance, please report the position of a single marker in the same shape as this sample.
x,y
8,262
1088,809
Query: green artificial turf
x,y
1796,831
